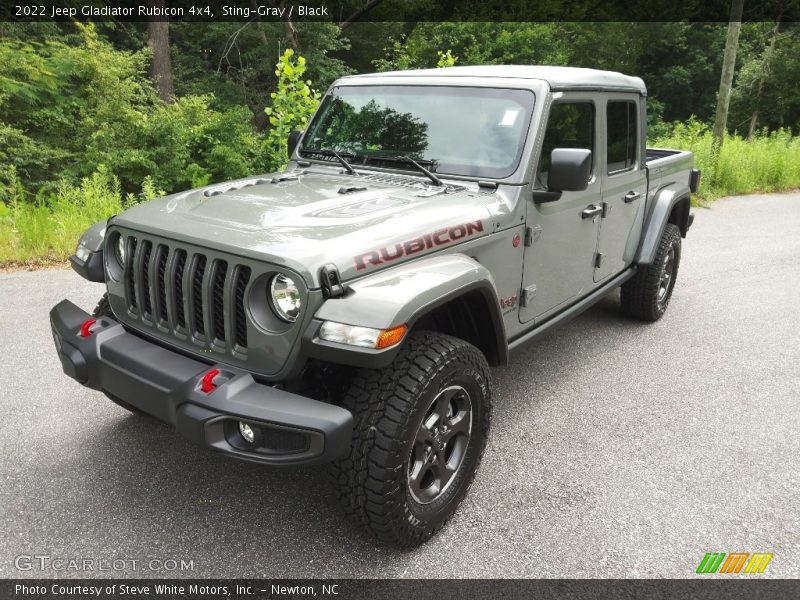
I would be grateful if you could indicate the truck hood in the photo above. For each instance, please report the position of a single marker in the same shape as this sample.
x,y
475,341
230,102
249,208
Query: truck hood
x,y
360,224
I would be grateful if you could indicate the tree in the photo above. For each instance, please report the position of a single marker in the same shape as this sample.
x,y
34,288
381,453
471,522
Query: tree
x,y
765,66
726,79
292,105
161,66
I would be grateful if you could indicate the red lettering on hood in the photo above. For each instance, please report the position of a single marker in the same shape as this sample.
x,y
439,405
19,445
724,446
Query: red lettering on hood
x,y
417,244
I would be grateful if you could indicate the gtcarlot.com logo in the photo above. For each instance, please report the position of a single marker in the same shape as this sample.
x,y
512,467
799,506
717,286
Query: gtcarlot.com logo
x,y
44,562
734,562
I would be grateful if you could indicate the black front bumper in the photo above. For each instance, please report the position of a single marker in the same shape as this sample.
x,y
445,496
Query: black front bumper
x,y
291,429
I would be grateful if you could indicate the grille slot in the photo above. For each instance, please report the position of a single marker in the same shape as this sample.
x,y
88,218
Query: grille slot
x,y
220,270
130,274
161,286
147,248
240,324
197,294
180,265
187,293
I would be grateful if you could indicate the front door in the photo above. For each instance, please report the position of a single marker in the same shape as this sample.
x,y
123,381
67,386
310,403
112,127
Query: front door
x,y
624,187
559,259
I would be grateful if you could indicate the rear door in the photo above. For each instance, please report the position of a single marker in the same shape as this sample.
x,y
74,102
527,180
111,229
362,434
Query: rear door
x,y
624,184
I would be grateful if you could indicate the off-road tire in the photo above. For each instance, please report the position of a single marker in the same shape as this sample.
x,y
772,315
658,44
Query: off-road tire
x,y
388,407
103,309
640,295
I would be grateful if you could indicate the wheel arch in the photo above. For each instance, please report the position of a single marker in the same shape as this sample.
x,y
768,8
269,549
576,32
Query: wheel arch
x,y
671,204
467,314
452,294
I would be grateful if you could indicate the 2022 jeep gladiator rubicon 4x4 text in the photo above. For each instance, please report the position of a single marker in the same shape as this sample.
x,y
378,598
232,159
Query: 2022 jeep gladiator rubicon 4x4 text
x,y
348,309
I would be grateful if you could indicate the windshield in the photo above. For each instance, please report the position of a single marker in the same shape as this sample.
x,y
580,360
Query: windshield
x,y
476,132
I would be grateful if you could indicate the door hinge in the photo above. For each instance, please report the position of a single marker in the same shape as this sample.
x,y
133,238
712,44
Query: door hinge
x,y
532,234
598,259
527,295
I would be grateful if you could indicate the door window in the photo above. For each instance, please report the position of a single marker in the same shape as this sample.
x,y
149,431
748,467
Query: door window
x,y
622,126
570,125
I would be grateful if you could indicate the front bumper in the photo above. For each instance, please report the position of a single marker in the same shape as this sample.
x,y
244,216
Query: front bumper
x,y
293,429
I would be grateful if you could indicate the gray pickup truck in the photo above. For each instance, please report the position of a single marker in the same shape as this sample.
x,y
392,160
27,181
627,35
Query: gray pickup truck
x,y
347,310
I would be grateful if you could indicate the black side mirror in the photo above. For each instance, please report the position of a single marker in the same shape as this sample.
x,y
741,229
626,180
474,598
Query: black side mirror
x,y
294,139
570,169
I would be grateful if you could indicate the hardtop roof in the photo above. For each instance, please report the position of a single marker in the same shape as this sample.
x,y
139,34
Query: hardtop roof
x,y
558,78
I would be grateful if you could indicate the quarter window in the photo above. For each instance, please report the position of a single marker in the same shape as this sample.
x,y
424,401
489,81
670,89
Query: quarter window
x,y
621,123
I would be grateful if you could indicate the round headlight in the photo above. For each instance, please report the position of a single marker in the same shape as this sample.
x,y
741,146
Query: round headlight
x,y
119,250
285,297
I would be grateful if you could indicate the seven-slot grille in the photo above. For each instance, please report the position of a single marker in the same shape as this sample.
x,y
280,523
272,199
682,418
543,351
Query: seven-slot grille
x,y
187,293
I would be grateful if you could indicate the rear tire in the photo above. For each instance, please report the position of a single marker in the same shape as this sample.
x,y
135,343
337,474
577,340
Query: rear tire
x,y
103,309
646,295
420,429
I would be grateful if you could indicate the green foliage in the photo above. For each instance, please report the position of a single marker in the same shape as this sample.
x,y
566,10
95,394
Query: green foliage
x,y
769,162
397,58
82,131
65,110
43,231
181,145
292,106
767,79
446,59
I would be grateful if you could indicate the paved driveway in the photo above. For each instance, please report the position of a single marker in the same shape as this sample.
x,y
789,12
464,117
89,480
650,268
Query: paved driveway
x,y
617,450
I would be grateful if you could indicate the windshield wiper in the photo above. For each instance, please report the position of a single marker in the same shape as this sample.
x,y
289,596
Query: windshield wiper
x,y
411,161
328,152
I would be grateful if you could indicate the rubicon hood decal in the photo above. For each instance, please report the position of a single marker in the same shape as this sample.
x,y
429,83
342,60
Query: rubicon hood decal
x,y
440,237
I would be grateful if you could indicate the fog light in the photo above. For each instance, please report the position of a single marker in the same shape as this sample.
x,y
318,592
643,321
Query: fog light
x,y
247,432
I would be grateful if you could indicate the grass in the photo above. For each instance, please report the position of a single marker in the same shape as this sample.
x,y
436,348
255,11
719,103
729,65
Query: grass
x,y
770,162
46,231
33,233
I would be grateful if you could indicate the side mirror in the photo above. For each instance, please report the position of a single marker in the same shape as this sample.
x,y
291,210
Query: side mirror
x,y
294,139
570,169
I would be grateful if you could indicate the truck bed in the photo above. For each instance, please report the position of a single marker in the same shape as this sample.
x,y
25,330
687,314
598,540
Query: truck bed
x,y
665,165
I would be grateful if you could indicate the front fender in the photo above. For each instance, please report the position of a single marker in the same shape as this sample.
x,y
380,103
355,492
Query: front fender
x,y
91,267
401,295
657,218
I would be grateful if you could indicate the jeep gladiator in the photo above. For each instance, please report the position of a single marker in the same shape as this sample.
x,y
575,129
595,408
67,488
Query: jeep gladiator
x,y
347,310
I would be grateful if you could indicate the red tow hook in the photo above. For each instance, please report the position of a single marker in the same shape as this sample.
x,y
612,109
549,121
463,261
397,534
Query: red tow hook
x,y
207,382
86,327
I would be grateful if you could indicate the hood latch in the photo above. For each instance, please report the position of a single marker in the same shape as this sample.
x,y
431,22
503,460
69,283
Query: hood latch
x,y
331,282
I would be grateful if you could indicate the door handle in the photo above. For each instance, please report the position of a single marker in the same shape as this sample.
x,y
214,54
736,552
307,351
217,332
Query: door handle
x,y
631,197
591,211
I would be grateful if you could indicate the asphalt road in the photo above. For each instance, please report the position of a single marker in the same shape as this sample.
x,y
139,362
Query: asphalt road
x,y
617,449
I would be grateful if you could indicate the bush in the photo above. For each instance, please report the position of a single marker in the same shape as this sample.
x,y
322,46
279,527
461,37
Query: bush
x,y
292,106
67,109
769,162
48,231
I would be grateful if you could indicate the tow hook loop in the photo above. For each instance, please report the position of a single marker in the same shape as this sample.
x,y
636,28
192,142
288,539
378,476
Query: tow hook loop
x,y
86,327
207,383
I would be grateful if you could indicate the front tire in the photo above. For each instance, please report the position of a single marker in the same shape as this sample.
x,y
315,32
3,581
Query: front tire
x,y
420,429
646,295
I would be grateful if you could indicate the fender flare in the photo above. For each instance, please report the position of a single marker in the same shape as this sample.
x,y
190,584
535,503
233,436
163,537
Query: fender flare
x,y
664,200
402,295
92,239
